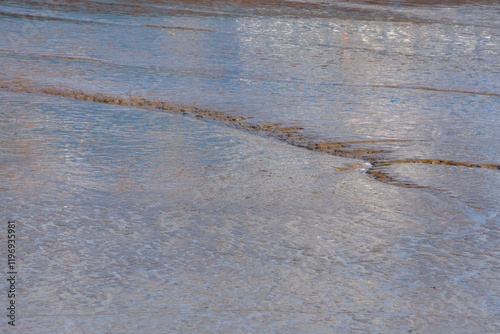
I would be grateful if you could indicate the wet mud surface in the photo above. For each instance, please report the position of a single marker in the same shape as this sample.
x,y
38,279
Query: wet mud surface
x,y
136,220
215,166
289,134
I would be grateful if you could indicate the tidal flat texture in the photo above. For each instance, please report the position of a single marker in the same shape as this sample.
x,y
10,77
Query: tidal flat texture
x,y
251,166
132,220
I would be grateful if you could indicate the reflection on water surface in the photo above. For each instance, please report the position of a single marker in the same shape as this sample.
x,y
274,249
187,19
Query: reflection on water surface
x,y
134,218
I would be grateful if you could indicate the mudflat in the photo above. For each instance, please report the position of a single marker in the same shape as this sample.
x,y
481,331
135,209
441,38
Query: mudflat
x,y
250,166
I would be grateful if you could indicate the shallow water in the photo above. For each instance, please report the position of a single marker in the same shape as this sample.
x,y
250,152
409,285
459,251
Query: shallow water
x,y
139,221
423,74
138,218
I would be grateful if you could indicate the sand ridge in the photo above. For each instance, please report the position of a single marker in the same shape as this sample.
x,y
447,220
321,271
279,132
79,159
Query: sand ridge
x,y
290,134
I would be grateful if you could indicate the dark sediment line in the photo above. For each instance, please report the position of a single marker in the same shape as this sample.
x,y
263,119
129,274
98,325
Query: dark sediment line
x,y
180,28
42,17
241,8
193,71
442,162
108,62
53,56
378,174
293,135
436,90
31,16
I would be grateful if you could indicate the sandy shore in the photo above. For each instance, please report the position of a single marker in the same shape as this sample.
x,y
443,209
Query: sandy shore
x,y
134,220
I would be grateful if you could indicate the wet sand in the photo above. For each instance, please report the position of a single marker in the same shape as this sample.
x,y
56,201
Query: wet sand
x,y
133,220
252,166
291,135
